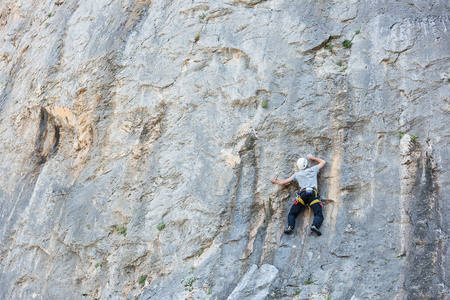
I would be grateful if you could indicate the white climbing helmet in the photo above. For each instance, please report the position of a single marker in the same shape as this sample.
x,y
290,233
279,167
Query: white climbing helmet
x,y
302,163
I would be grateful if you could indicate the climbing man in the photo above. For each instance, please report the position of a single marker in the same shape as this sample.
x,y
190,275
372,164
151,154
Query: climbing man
x,y
307,181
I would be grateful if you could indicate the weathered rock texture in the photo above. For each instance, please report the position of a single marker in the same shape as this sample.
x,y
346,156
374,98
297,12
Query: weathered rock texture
x,y
119,116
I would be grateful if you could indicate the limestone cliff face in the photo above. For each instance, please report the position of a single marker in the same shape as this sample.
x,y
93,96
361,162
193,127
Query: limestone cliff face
x,y
138,137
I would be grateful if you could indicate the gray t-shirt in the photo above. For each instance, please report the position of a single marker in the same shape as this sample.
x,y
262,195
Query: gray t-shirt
x,y
307,178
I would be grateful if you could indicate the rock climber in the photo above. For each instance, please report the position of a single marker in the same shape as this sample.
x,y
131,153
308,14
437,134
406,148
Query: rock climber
x,y
307,181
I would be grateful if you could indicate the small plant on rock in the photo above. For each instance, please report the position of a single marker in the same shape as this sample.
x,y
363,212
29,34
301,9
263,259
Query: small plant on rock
x,y
357,31
298,292
347,44
340,63
161,226
121,230
400,134
265,104
142,279
329,47
97,265
414,138
343,68
188,282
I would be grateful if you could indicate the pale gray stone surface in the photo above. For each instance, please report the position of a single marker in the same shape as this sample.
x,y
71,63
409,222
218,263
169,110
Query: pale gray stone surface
x,y
255,283
133,114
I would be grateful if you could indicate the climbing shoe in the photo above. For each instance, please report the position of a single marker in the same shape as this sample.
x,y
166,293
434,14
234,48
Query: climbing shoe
x,y
289,230
317,231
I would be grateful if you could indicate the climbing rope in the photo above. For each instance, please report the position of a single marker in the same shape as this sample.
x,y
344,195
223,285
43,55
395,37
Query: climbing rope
x,y
304,246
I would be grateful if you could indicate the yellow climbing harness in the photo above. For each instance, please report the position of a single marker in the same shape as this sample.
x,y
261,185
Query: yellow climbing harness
x,y
300,200
313,202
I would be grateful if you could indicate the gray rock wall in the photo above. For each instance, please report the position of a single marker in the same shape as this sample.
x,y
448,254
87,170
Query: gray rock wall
x,y
138,139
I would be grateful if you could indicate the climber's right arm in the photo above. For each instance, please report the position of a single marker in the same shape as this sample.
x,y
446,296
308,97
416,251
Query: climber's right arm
x,y
281,182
